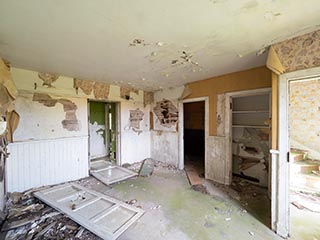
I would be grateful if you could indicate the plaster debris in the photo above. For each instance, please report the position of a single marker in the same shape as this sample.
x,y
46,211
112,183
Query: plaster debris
x,y
125,92
48,79
136,116
166,112
85,85
71,123
101,90
28,218
147,167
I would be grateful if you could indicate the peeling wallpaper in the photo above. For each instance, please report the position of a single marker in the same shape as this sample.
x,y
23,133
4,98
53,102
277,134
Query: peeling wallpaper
x,y
300,52
304,116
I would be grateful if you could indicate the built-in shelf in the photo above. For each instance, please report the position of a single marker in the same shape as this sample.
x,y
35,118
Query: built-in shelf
x,y
250,126
252,111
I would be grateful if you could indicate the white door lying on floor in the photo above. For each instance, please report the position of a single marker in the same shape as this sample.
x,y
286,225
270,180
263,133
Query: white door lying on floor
x,y
106,217
108,173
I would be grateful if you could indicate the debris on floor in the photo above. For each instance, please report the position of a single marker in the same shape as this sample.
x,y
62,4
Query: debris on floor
x,y
103,215
199,188
28,218
303,200
147,167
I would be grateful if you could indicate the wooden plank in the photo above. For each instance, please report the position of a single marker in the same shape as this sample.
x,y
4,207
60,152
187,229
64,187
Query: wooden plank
x,y
106,217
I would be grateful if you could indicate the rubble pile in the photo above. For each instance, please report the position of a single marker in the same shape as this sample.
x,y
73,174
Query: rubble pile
x,y
28,218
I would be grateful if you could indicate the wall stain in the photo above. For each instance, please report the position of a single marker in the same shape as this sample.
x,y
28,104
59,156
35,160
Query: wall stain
x,y
100,89
48,79
136,116
125,92
85,85
71,123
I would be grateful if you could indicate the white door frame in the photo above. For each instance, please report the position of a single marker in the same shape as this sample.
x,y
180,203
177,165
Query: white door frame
x,y
117,130
281,206
228,126
181,127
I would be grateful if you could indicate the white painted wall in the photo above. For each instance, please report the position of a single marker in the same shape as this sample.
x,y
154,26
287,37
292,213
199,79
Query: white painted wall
x,y
45,162
134,147
40,154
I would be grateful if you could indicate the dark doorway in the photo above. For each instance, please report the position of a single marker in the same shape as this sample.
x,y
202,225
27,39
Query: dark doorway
x,y
194,137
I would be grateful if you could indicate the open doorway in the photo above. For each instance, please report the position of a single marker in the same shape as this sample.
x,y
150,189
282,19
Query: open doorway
x,y
102,133
248,150
304,145
194,140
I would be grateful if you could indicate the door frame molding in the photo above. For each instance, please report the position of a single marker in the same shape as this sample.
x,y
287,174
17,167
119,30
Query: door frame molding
x,y
281,208
228,125
118,128
181,127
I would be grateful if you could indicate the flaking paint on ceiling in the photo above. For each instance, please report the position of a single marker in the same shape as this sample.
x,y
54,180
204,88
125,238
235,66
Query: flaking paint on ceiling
x,y
148,44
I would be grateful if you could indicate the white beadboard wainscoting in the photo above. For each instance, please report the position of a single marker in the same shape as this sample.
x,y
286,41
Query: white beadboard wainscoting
x,y
38,163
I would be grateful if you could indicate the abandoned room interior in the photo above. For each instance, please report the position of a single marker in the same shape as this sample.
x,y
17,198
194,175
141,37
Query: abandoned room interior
x,y
160,120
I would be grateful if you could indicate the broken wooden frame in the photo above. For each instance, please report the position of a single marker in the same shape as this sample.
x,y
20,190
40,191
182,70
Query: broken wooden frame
x,y
106,217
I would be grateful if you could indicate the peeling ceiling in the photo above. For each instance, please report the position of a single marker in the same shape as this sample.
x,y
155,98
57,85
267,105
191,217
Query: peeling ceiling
x,y
148,44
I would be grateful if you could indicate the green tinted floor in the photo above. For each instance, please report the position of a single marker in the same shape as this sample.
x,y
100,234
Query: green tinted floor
x,y
174,211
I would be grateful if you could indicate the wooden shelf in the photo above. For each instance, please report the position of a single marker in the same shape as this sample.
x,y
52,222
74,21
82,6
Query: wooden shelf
x,y
250,126
252,111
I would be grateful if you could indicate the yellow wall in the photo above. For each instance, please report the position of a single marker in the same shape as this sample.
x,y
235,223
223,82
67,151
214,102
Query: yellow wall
x,y
245,80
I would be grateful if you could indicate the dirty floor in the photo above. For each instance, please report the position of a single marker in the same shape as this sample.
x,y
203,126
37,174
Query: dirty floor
x,y
174,211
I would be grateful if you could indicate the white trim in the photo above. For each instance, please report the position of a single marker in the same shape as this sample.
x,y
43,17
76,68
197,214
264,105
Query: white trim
x,y
228,125
281,187
181,127
118,133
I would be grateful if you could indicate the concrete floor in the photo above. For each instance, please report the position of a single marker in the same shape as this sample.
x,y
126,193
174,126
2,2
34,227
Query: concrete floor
x,y
174,211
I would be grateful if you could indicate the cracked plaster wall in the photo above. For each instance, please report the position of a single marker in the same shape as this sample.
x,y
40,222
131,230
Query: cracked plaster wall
x,y
41,122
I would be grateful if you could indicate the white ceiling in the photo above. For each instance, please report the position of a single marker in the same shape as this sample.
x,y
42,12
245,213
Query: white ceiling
x,y
90,39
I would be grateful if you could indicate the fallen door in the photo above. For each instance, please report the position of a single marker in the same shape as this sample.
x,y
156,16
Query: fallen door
x,y
108,173
106,217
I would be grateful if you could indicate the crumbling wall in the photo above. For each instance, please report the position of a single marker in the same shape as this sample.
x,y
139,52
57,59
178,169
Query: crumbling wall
x,y
166,113
45,117
298,53
304,116
71,123
165,135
